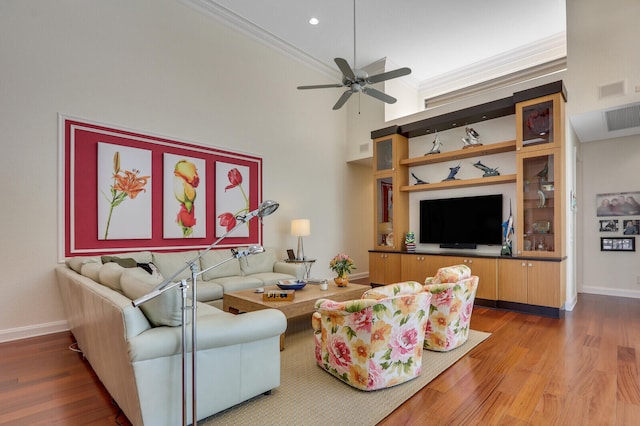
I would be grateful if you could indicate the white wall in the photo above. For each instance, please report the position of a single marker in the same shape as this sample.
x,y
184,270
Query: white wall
x,y
157,66
602,49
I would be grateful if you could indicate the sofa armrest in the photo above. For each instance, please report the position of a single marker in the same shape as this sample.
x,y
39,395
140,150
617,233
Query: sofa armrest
x,y
217,330
295,269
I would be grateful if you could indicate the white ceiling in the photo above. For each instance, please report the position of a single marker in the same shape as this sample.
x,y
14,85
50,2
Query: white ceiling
x,y
432,37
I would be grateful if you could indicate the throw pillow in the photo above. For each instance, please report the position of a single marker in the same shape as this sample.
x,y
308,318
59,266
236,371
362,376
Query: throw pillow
x,y
125,262
165,309
213,257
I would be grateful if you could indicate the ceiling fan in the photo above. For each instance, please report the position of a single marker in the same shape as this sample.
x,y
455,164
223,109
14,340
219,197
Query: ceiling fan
x,y
358,80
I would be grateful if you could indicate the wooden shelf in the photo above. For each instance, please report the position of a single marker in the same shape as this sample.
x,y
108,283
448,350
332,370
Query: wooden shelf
x,y
475,151
492,180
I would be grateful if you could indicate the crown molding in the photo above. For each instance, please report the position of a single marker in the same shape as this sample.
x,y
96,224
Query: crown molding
x,y
236,22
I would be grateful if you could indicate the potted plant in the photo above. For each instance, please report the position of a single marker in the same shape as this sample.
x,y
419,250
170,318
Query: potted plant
x,y
342,265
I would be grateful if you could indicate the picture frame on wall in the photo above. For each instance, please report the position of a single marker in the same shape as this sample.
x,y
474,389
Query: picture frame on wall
x,y
631,227
618,244
609,225
125,190
618,204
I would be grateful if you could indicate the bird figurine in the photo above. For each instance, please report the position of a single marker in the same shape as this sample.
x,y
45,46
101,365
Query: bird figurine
x,y
488,171
435,149
452,173
471,139
418,180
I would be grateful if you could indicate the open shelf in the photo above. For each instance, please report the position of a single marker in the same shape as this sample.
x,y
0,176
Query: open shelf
x,y
460,183
474,151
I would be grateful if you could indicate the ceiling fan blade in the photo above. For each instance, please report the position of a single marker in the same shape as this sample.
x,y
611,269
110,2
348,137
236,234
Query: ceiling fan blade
x,y
345,68
345,96
379,95
388,75
320,86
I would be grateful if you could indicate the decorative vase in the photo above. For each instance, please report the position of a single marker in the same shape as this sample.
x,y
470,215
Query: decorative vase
x,y
341,280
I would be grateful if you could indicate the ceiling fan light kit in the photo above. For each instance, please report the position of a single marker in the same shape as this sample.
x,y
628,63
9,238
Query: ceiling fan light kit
x,y
357,80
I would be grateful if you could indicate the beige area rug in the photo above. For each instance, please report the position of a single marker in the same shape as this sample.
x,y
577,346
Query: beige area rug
x,y
309,396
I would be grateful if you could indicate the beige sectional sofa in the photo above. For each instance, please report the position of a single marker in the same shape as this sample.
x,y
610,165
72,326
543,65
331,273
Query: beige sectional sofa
x,y
135,351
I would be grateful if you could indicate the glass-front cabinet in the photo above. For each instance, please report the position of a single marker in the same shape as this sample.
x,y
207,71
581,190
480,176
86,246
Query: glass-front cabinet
x,y
539,123
390,213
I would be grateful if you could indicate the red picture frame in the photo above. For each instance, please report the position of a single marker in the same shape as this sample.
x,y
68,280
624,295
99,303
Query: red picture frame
x,y
79,192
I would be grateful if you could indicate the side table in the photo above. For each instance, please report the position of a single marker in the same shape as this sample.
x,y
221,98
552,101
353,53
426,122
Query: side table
x,y
308,263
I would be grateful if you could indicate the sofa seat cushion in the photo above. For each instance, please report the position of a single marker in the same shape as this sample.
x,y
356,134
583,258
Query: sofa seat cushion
x,y
262,262
207,291
214,257
238,283
165,309
270,278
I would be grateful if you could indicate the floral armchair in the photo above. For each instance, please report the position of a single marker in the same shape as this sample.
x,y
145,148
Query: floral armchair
x,y
453,291
371,344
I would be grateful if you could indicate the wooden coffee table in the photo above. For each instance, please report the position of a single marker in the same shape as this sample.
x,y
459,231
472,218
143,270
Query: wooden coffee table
x,y
303,303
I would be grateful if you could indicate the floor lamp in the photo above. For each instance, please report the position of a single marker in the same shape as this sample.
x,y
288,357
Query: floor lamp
x,y
265,209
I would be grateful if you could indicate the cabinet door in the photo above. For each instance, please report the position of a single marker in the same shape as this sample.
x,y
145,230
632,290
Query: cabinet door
x,y
512,280
487,272
544,284
539,123
413,268
540,221
485,269
391,206
384,268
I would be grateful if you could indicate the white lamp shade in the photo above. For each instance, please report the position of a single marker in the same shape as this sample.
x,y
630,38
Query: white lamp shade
x,y
301,227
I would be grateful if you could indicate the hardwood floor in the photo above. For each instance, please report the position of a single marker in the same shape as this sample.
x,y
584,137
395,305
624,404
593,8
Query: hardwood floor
x,y
580,370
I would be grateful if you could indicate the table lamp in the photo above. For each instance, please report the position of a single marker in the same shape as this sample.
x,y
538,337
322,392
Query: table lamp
x,y
300,228
385,228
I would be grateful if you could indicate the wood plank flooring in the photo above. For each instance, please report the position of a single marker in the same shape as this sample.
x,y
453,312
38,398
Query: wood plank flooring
x,y
580,370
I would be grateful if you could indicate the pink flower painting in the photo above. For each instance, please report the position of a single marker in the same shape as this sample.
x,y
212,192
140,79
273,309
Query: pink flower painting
x,y
232,197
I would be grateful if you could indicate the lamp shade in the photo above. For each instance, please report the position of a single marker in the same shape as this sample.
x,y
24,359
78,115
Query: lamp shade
x,y
300,227
385,228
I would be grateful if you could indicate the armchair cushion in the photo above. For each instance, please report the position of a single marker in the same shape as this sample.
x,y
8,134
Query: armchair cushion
x,y
371,344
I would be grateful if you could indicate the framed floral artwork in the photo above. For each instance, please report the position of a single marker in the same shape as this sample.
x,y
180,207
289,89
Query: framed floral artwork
x,y
124,186
184,197
124,190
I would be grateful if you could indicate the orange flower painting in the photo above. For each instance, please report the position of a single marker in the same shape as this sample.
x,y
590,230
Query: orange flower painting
x,y
126,182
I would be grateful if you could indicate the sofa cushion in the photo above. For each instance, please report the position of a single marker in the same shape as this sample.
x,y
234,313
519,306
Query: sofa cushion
x,y
207,291
110,274
452,274
214,257
91,270
262,262
170,263
165,309
77,262
238,283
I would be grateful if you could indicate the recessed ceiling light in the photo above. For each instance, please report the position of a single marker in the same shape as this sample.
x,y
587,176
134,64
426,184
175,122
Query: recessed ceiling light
x,y
314,21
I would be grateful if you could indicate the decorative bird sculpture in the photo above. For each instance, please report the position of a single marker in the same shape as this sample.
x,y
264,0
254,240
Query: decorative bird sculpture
x,y
435,149
471,139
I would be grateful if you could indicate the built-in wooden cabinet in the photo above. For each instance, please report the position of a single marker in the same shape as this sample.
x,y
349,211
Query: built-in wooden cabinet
x,y
391,221
384,268
532,282
539,212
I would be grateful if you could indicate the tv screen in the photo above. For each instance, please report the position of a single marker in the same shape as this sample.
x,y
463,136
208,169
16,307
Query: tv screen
x,y
461,222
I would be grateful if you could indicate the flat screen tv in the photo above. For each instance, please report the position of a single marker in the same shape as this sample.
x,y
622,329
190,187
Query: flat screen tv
x,y
461,222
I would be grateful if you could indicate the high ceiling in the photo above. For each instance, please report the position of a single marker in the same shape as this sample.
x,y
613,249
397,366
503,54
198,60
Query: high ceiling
x,y
432,37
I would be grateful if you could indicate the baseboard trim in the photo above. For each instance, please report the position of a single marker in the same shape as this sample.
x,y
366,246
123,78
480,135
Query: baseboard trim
x,y
617,292
26,332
